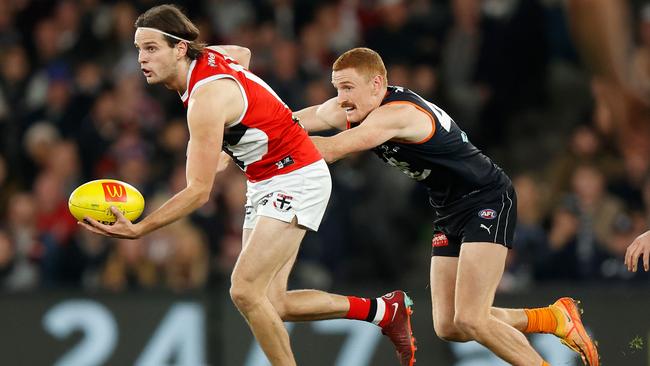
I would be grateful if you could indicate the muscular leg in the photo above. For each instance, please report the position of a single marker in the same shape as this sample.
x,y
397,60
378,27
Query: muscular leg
x,y
516,318
299,305
443,288
302,305
480,267
269,247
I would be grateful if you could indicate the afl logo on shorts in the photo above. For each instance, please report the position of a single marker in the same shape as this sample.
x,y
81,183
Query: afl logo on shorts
x,y
487,214
439,240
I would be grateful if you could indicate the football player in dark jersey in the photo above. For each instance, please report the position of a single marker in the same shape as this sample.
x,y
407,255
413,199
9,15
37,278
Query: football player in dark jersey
x,y
474,207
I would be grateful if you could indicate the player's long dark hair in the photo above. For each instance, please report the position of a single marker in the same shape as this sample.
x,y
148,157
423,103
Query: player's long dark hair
x,y
170,19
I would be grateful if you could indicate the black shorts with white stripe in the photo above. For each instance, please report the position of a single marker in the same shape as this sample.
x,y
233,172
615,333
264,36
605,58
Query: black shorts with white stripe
x,y
489,217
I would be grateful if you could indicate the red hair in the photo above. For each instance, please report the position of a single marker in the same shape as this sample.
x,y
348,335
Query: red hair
x,y
366,61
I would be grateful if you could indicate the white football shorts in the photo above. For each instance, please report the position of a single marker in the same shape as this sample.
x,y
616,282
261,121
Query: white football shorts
x,y
302,193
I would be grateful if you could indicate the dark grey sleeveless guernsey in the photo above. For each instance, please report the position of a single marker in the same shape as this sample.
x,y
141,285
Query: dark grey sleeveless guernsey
x,y
446,161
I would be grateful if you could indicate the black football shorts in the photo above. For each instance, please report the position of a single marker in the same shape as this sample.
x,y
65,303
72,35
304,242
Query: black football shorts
x,y
488,217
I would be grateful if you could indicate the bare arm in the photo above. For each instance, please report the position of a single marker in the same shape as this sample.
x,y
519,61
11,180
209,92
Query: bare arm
x,y
381,125
206,119
322,117
210,107
640,248
241,54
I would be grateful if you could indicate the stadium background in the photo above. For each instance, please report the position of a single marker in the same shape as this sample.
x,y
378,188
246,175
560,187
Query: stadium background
x,y
74,107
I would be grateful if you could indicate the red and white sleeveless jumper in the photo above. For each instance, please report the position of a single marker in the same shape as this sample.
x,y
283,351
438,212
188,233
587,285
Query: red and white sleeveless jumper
x,y
264,141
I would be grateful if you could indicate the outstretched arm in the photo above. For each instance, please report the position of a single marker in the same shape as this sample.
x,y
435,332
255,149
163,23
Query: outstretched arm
x,y
206,120
322,117
210,107
381,125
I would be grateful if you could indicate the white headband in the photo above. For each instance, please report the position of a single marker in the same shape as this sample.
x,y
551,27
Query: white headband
x,y
165,33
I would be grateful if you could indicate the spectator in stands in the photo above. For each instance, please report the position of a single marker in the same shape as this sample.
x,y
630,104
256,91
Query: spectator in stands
x,y
7,253
581,227
187,267
7,188
466,97
530,241
129,267
583,147
23,234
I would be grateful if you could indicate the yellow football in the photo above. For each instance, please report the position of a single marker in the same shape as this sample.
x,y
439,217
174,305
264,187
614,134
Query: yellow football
x,y
95,198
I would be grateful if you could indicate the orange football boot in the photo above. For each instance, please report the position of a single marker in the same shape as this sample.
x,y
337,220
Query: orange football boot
x,y
571,331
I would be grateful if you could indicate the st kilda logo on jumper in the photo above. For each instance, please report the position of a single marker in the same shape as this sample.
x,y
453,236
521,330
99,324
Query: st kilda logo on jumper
x,y
114,192
282,202
439,240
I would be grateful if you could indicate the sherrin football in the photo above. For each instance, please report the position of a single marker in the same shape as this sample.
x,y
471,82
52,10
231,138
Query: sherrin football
x,y
95,198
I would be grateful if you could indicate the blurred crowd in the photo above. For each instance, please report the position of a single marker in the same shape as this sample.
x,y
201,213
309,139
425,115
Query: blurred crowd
x,y
74,107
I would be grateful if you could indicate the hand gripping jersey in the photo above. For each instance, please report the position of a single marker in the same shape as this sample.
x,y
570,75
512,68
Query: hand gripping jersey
x,y
264,141
446,161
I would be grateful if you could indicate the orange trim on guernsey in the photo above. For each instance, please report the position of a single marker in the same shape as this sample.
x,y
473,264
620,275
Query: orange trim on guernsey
x,y
433,122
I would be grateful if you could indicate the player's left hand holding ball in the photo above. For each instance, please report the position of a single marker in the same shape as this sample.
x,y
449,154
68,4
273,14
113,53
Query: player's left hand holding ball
x,y
122,228
107,207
